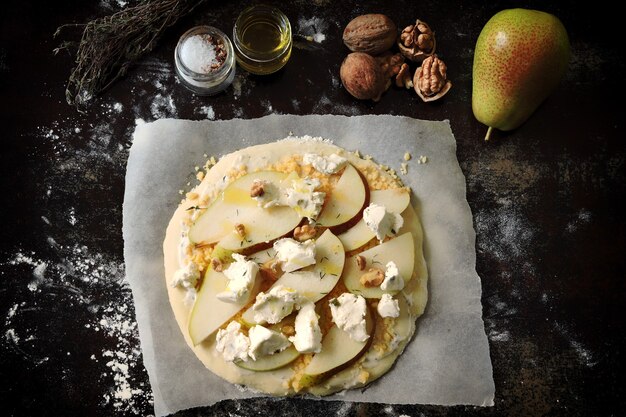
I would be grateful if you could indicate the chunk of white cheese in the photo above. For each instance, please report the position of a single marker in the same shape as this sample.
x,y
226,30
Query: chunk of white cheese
x,y
187,276
294,255
271,196
265,342
393,281
348,312
325,164
308,337
388,307
303,198
275,305
241,275
231,343
382,222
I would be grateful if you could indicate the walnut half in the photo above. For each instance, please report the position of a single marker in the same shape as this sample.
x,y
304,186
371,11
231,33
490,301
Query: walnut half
x,y
431,80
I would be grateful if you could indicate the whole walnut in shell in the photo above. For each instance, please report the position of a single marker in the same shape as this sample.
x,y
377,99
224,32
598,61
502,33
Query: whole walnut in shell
x,y
362,76
370,33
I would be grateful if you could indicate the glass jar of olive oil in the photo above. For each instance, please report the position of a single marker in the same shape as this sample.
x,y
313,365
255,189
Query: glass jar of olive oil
x,y
262,39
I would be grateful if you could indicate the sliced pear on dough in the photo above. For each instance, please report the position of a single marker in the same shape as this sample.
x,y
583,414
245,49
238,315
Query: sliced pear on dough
x,y
404,323
394,200
317,280
347,200
235,206
270,362
209,313
338,352
400,250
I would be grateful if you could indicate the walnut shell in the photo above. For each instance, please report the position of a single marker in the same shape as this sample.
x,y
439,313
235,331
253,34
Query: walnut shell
x,y
362,76
370,33
417,42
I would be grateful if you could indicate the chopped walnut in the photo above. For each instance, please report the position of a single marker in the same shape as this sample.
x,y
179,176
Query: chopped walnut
x,y
361,262
417,41
241,230
430,80
288,330
304,232
257,189
372,278
270,269
390,63
217,265
404,77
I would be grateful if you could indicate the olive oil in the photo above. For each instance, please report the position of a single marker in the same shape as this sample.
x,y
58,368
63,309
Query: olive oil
x,y
262,37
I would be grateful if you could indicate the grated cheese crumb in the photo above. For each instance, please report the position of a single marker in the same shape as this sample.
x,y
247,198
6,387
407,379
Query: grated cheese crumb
x,y
422,159
407,156
404,168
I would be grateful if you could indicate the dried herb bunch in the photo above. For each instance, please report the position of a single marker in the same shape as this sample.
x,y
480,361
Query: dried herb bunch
x,y
109,45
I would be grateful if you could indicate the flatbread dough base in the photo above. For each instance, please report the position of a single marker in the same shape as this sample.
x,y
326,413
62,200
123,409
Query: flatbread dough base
x,y
277,382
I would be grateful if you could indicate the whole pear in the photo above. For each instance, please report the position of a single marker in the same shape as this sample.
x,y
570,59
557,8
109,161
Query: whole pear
x,y
520,57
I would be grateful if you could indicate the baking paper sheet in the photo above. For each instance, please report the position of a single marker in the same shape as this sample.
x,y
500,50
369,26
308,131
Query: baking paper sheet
x,y
448,360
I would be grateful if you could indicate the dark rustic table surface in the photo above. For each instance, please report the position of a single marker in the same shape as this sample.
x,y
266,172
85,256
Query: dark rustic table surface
x,y
547,201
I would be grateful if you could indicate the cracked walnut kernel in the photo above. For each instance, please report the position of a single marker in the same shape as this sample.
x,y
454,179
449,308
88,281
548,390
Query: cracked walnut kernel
x,y
304,232
257,189
372,278
431,79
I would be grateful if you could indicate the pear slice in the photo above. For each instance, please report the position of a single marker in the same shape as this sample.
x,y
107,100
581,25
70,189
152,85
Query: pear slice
x,y
209,313
270,362
395,201
235,206
315,281
401,250
347,200
338,352
404,323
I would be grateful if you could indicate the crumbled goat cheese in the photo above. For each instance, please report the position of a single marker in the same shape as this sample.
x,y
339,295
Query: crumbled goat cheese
x,y
348,312
393,281
184,248
271,196
275,305
294,255
308,338
303,198
187,276
382,222
241,275
265,342
231,343
325,164
388,307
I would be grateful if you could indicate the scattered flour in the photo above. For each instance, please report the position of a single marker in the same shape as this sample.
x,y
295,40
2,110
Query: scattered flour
x,y
163,107
313,29
496,336
584,217
83,276
208,111
506,234
583,354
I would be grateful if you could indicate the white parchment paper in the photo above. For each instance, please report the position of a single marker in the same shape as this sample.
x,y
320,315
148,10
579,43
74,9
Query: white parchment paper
x,y
448,361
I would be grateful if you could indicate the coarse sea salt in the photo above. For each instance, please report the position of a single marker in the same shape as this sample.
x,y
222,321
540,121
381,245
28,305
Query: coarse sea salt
x,y
198,54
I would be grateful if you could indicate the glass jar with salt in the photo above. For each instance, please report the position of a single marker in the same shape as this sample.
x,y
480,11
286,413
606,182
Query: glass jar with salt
x,y
205,62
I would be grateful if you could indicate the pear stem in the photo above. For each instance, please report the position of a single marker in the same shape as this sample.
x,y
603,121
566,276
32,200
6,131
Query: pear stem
x,y
488,135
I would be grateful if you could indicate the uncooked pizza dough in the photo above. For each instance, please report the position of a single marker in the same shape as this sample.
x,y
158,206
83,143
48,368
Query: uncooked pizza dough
x,y
316,278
